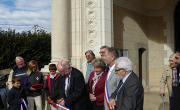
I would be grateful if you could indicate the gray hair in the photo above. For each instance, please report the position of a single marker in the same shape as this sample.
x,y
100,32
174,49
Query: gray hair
x,y
124,63
19,58
98,62
64,63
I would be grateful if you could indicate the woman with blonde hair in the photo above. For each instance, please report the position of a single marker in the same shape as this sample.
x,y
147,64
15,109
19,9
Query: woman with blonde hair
x,y
35,85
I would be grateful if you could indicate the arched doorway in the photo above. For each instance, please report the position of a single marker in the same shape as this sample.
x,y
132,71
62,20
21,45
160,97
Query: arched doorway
x,y
177,26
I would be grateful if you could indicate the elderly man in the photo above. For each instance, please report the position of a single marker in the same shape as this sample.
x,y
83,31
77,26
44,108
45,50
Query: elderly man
x,y
129,93
71,87
109,55
19,70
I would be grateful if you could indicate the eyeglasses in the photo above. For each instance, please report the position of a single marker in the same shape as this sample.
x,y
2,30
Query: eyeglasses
x,y
116,70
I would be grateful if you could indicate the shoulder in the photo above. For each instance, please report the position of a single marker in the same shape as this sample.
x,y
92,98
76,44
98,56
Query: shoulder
x,y
133,80
167,71
11,91
91,75
76,72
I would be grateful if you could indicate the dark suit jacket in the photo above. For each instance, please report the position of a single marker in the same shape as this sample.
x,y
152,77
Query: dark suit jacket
x,y
77,94
131,94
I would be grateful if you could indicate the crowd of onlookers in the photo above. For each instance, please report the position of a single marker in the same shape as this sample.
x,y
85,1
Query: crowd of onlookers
x,y
105,83
171,78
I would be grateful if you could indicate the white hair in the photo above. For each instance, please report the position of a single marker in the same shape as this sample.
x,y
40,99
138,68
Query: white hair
x,y
65,63
124,63
19,58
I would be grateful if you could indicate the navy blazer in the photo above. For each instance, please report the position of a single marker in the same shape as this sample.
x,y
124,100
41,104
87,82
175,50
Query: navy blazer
x,y
131,95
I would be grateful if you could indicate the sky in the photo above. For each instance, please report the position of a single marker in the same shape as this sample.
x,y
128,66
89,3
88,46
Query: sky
x,y
22,15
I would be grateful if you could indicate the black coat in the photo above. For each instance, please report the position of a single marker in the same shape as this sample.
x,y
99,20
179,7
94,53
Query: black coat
x,y
131,95
14,98
35,79
77,94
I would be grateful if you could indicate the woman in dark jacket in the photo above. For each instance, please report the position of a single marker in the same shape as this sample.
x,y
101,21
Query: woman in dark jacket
x,y
35,86
96,84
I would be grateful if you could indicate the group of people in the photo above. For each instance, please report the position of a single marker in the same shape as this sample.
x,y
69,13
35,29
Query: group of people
x,y
105,83
171,78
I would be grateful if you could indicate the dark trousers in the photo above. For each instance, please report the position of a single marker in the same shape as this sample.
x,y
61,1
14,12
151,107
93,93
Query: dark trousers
x,y
97,107
171,106
175,101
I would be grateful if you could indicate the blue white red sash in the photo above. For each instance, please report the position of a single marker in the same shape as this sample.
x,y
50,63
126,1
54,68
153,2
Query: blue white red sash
x,y
62,107
59,106
23,105
107,95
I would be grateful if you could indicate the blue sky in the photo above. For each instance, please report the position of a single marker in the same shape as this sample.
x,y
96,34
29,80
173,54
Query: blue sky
x,y
23,14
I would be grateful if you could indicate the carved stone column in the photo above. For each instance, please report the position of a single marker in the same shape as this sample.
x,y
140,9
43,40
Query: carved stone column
x,y
61,31
61,21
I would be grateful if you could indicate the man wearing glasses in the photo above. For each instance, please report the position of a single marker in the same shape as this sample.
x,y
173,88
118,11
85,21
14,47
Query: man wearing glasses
x,y
129,94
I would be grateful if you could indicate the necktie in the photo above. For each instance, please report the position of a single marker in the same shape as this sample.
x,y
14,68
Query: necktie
x,y
67,86
119,85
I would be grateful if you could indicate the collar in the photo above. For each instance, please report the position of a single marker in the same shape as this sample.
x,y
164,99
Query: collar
x,y
125,78
112,67
53,76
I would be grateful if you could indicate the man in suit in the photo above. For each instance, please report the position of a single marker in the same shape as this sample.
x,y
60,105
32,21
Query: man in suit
x,y
109,55
176,89
72,91
129,93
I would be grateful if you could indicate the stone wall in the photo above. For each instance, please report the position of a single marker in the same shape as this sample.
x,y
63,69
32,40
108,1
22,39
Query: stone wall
x,y
132,31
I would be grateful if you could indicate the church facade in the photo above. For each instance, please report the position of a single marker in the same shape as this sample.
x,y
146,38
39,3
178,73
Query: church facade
x,y
143,30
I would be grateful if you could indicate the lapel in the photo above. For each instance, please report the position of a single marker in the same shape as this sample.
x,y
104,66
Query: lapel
x,y
111,75
125,84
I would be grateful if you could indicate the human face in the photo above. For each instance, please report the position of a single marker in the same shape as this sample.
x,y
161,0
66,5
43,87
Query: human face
x,y
121,72
177,58
52,71
17,84
98,70
103,52
89,57
63,70
172,63
20,63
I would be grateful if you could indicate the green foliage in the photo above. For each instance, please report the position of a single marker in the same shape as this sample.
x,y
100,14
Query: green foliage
x,y
31,46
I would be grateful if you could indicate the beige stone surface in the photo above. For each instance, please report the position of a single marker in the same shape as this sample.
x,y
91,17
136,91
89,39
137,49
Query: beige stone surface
x,y
152,101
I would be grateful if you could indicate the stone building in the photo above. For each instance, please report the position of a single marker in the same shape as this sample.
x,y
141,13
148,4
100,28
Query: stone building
x,y
143,30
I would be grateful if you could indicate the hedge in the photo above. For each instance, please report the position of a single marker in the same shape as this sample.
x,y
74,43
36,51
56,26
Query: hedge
x,y
31,46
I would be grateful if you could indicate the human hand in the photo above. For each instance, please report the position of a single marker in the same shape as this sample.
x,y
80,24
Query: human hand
x,y
49,100
112,104
61,101
162,94
33,89
92,97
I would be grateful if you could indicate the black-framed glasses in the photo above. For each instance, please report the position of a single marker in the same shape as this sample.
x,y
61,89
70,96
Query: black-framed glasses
x,y
119,69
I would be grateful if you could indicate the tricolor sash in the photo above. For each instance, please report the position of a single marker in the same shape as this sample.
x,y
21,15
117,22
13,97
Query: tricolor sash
x,y
23,105
107,95
59,106
62,107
